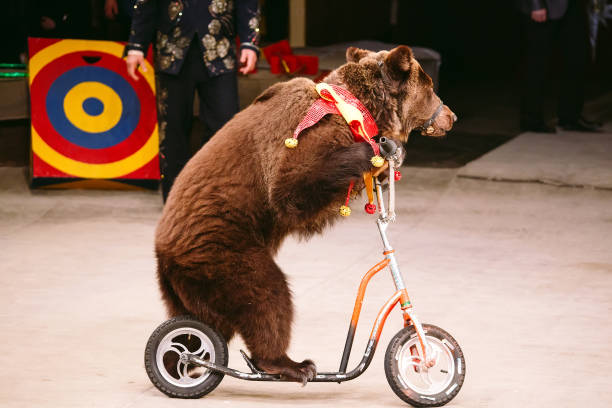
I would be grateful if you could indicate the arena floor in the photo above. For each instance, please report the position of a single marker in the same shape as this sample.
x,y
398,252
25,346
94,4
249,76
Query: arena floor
x,y
519,272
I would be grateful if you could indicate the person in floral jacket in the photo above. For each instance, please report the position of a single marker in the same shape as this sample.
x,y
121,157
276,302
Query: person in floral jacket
x,y
194,43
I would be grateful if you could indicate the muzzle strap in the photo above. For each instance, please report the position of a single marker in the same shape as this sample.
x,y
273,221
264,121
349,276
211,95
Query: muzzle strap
x,y
427,126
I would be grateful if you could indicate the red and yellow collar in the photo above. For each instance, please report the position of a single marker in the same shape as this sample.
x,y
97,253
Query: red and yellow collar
x,y
339,101
336,100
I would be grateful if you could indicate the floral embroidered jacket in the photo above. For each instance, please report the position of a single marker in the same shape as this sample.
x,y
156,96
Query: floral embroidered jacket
x,y
175,23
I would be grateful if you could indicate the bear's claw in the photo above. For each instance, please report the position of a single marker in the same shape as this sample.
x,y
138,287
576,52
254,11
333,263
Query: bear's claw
x,y
308,371
298,372
302,372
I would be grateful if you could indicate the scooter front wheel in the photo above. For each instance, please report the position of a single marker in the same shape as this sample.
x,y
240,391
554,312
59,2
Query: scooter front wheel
x,y
412,380
166,370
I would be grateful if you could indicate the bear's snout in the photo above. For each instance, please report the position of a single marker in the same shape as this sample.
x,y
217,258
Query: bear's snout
x,y
444,122
447,119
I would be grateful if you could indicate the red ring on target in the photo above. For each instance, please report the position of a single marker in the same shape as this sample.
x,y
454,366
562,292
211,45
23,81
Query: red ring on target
x,y
146,123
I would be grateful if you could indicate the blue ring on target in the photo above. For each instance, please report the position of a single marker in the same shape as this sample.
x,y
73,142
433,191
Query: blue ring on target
x,y
130,114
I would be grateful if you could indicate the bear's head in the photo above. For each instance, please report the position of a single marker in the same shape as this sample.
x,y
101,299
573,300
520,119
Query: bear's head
x,y
396,90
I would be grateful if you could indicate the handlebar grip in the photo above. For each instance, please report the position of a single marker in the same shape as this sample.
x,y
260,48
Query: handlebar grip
x,y
387,147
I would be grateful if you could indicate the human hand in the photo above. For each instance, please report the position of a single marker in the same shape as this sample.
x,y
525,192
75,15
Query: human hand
x,y
133,61
248,59
111,9
47,23
539,16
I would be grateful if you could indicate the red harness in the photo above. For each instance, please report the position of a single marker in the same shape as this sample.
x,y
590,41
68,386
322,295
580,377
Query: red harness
x,y
363,130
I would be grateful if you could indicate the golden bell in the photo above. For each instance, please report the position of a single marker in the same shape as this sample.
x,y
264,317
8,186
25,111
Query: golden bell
x,y
429,130
345,211
377,161
291,142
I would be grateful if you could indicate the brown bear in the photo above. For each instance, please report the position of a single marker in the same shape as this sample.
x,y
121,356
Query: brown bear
x,y
238,198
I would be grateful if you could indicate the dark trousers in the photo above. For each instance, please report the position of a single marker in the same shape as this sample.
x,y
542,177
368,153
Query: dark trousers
x,y
570,34
218,103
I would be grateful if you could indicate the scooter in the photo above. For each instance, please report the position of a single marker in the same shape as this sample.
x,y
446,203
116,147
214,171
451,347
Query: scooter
x,y
424,365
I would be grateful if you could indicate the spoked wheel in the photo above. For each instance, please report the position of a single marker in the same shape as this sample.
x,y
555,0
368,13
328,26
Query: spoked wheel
x,y
163,357
412,380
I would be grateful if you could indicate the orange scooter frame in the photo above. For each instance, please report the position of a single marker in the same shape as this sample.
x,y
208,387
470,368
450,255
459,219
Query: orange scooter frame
x,y
400,296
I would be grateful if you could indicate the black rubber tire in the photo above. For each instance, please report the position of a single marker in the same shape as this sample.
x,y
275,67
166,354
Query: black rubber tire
x,y
199,390
410,395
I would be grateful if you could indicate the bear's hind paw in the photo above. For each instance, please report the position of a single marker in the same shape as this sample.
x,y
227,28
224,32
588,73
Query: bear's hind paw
x,y
298,372
308,371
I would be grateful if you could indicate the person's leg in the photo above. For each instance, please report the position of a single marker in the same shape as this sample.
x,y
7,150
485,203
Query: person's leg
x,y
574,46
175,110
218,102
538,44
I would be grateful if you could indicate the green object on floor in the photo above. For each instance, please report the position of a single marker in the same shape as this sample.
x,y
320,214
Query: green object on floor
x,y
13,74
12,66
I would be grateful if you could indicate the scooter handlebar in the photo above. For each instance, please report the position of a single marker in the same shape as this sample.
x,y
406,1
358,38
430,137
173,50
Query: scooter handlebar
x,y
387,147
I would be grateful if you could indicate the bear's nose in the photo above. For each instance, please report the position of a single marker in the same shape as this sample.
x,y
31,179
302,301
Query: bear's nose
x,y
455,118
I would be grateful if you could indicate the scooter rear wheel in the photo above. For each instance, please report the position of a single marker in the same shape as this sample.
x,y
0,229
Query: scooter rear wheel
x,y
164,367
412,381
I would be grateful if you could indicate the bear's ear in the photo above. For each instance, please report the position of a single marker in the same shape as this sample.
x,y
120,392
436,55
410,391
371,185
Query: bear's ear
x,y
398,61
354,54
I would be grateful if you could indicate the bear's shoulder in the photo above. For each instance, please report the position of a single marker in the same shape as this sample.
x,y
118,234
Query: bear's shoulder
x,y
294,88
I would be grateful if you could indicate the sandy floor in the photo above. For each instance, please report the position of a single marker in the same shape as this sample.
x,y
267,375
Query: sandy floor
x,y
519,273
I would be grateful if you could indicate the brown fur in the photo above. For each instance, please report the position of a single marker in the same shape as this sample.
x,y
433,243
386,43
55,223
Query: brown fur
x,y
244,192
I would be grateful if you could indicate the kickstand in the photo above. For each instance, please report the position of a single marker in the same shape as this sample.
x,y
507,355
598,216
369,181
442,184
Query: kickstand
x,y
250,363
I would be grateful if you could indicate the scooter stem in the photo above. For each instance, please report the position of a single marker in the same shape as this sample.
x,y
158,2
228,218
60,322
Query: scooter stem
x,y
383,223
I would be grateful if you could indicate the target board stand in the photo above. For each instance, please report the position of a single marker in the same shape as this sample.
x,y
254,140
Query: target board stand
x,y
92,125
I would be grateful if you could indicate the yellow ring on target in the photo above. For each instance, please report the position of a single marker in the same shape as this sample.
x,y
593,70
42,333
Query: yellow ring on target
x,y
96,171
73,107
81,169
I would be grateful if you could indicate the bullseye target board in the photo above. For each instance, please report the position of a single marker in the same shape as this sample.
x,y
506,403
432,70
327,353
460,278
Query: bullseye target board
x,y
92,125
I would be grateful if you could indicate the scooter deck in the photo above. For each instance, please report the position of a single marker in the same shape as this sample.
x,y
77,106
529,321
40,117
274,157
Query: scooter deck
x,y
258,375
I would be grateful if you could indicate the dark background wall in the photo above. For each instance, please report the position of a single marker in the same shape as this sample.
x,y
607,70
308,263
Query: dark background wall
x,y
473,37
478,40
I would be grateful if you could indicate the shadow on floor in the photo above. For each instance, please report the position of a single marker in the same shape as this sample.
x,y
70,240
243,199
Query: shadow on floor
x,y
454,150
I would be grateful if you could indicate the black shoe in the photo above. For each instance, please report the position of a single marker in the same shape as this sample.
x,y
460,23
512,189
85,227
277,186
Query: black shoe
x,y
537,127
581,125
